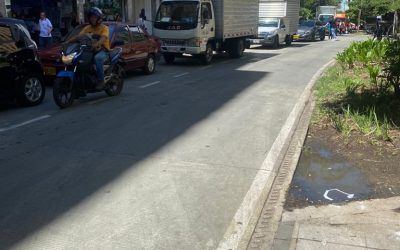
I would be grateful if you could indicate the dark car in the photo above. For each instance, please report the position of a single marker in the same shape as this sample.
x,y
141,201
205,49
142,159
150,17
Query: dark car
x,y
310,30
21,73
139,49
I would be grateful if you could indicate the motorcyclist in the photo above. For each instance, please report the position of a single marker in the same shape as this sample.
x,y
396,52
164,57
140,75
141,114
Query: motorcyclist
x,y
102,45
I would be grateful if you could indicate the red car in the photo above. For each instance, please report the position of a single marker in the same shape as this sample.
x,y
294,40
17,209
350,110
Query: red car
x,y
139,49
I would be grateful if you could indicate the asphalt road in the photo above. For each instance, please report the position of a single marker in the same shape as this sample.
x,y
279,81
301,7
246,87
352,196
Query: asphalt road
x,y
163,166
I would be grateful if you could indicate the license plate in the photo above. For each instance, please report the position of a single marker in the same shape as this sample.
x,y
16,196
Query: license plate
x,y
49,71
295,37
173,49
257,41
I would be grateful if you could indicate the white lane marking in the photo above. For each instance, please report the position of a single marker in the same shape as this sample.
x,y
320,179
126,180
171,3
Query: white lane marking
x,y
264,177
183,74
24,123
206,67
99,100
148,85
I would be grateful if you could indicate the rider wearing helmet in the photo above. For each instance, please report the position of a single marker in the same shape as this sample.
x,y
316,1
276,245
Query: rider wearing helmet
x,y
102,45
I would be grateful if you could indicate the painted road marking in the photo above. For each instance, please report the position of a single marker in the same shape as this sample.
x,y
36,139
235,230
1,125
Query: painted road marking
x,y
24,123
99,100
183,74
206,67
148,85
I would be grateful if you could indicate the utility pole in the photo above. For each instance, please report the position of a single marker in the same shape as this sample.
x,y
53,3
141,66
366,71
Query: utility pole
x,y
359,15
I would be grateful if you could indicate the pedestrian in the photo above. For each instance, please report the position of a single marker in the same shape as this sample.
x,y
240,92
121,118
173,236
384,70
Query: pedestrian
x,y
378,32
328,28
142,19
333,29
46,28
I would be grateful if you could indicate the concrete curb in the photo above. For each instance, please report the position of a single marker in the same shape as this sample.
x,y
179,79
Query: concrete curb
x,y
240,233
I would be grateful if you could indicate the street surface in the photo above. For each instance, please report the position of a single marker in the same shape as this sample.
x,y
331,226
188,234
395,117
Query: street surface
x,y
166,165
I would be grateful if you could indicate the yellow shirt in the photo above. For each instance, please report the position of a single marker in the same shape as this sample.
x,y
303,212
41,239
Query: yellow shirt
x,y
101,30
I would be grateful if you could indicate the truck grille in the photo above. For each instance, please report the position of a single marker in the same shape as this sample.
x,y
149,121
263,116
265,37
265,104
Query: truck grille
x,y
173,42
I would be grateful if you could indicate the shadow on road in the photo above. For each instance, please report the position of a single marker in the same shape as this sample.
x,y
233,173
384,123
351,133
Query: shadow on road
x,y
48,169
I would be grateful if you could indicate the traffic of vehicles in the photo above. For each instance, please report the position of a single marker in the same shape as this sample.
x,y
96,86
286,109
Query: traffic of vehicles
x,y
199,28
278,23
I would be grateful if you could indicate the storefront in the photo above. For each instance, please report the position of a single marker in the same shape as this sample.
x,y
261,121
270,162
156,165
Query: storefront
x,y
62,13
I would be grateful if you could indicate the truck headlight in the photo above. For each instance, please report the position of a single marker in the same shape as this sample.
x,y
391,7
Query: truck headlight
x,y
272,33
194,42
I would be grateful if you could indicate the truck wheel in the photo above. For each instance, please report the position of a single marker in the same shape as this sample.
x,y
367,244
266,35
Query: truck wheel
x,y
236,48
169,58
206,58
288,40
275,43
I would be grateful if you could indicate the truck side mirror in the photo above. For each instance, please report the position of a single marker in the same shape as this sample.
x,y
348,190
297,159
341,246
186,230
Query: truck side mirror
x,y
283,26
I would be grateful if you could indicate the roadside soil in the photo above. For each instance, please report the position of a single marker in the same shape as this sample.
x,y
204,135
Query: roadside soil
x,y
379,161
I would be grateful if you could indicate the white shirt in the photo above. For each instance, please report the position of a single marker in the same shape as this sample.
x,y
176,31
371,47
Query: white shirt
x,y
45,27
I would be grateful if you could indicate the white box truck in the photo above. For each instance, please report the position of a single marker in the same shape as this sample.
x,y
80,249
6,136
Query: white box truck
x,y
200,27
278,22
326,13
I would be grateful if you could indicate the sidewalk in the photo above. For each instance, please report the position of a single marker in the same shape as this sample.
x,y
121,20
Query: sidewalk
x,y
373,224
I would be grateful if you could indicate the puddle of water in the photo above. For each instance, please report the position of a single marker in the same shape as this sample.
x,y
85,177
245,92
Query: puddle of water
x,y
321,172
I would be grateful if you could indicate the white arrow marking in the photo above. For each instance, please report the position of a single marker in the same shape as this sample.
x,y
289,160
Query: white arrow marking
x,y
349,196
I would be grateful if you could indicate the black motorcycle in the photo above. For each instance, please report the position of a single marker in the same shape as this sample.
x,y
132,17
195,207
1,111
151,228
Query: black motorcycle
x,y
79,76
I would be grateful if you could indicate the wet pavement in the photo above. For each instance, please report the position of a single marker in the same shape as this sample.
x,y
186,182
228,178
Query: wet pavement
x,y
323,177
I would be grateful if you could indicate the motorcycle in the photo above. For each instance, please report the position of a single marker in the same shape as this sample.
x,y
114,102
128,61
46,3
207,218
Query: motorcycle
x,y
79,76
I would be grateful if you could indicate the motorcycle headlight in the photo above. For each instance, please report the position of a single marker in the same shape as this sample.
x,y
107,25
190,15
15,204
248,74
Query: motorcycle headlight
x,y
67,59
308,32
194,42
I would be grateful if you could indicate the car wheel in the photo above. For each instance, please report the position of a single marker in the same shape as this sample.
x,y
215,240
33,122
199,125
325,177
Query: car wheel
x,y
150,66
32,90
63,92
207,57
288,40
312,36
275,43
322,37
169,58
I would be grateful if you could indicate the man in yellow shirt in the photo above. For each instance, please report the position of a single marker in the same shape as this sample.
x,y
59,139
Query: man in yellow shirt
x,y
102,45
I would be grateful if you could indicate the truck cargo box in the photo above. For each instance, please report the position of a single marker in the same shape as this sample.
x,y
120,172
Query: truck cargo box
x,y
289,9
235,18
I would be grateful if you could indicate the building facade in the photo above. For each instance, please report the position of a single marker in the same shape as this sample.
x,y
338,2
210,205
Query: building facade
x,y
64,13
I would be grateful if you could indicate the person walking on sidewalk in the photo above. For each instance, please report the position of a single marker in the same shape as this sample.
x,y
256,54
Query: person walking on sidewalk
x,y
46,28
332,24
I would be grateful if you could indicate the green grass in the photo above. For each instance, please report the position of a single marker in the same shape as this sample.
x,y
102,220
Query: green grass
x,y
348,100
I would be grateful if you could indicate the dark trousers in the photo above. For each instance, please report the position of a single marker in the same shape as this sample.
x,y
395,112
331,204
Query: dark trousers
x,y
45,42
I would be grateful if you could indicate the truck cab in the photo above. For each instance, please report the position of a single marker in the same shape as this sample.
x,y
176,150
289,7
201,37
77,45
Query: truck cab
x,y
200,27
185,27
272,31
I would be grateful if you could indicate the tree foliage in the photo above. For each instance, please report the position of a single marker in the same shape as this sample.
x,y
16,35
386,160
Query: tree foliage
x,y
309,6
371,8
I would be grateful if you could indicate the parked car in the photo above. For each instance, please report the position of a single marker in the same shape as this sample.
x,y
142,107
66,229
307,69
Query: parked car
x,y
139,49
272,31
310,30
21,73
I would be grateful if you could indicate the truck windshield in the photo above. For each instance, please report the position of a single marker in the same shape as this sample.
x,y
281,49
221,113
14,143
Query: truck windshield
x,y
177,15
268,22
307,24
325,18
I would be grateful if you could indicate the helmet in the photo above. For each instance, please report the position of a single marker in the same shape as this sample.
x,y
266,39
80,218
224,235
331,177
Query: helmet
x,y
94,11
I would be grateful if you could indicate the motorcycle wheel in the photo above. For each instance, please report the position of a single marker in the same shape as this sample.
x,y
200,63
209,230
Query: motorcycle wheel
x,y
116,83
63,92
